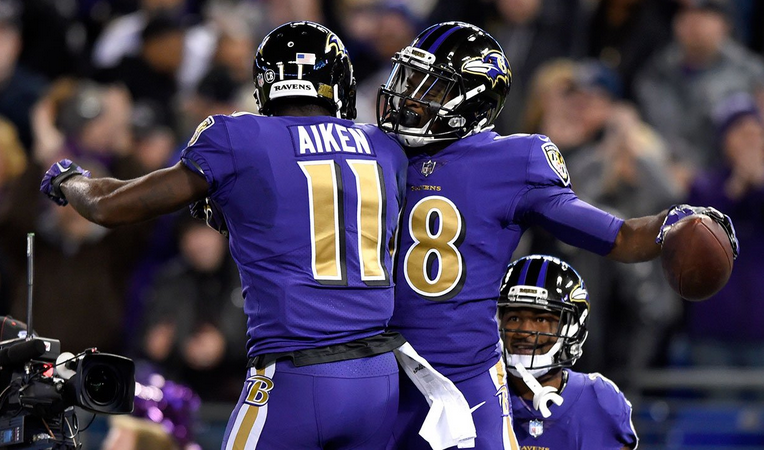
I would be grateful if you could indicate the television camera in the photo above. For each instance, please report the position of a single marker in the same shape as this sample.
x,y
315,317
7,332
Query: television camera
x,y
41,387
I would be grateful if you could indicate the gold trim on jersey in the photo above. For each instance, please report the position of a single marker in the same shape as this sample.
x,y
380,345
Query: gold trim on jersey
x,y
500,380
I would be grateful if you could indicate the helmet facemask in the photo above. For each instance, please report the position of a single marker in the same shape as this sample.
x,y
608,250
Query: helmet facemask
x,y
419,101
466,81
558,347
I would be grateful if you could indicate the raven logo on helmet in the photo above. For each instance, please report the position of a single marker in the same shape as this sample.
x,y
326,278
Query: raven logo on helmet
x,y
304,59
333,41
493,65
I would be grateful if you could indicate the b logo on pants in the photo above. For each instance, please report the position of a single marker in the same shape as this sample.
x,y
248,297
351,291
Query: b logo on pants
x,y
258,390
503,395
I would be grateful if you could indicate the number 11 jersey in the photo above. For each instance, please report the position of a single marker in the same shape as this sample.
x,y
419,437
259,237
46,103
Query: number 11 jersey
x,y
311,205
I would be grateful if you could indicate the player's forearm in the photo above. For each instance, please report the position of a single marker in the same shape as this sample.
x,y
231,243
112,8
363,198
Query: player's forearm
x,y
94,199
636,239
111,202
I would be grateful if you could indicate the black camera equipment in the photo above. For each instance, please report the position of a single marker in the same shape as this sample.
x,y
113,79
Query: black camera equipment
x,y
40,386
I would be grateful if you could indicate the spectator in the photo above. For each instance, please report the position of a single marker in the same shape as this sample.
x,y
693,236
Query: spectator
x,y
164,417
388,29
151,75
13,162
681,84
95,264
153,143
84,118
618,163
552,79
531,32
217,93
54,41
123,38
131,433
194,317
624,34
726,329
19,88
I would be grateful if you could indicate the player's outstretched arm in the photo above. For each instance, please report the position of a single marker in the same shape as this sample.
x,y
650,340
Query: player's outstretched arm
x,y
636,239
641,239
111,202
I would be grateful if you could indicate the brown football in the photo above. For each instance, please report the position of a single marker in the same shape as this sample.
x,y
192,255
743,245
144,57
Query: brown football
x,y
697,257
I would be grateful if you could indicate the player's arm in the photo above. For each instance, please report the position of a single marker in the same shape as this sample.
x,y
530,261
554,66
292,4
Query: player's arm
x,y
551,204
111,202
640,239
636,241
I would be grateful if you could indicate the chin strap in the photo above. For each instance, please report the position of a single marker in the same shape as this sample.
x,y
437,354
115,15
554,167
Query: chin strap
x,y
542,395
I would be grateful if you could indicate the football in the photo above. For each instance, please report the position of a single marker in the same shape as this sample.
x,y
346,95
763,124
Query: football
x,y
697,257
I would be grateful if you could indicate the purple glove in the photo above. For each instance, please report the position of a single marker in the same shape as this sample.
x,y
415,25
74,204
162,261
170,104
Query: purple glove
x,y
58,172
679,212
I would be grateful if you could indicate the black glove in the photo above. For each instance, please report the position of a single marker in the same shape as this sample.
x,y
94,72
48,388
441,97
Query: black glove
x,y
679,212
209,211
58,172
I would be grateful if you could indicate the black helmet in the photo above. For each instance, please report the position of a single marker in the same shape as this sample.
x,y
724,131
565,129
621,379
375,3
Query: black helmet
x,y
304,59
549,284
457,74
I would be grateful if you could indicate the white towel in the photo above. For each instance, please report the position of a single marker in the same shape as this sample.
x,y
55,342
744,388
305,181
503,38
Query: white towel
x,y
449,421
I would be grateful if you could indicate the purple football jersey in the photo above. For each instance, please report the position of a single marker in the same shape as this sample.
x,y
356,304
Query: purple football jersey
x,y
594,414
311,204
466,208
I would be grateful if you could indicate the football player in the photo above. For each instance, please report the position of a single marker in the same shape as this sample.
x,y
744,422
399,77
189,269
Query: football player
x,y
470,195
543,312
310,203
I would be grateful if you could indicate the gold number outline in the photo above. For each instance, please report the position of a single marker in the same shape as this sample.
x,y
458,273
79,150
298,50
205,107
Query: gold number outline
x,y
440,246
327,224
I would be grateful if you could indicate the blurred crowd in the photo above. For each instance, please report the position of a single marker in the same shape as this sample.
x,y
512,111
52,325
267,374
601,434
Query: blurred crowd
x,y
652,102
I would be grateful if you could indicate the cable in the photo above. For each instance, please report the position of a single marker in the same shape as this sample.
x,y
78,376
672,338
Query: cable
x,y
52,436
89,423
72,430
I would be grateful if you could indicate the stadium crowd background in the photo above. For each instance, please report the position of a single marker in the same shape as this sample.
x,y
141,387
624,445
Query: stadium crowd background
x,y
652,102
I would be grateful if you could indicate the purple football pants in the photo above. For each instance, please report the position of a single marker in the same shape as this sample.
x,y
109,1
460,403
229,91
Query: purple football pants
x,y
493,420
340,405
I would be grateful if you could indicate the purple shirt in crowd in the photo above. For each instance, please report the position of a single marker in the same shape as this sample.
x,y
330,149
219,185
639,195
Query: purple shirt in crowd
x,y
734,314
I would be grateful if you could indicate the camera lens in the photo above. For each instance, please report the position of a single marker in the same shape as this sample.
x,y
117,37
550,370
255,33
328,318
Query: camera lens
x,y
102,385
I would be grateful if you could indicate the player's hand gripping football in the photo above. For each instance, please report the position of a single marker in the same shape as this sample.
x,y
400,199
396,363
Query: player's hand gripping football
x,y
679,212
209,211
58,172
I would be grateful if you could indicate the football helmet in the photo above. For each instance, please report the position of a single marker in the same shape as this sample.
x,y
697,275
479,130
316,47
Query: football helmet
x,y
451,82
304,59
548,284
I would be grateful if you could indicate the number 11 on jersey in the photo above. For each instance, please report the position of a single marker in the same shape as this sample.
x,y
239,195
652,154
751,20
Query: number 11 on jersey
x,y
327,224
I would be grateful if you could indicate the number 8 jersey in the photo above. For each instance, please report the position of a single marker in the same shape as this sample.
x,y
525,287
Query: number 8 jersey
x,y
311,205
466,208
